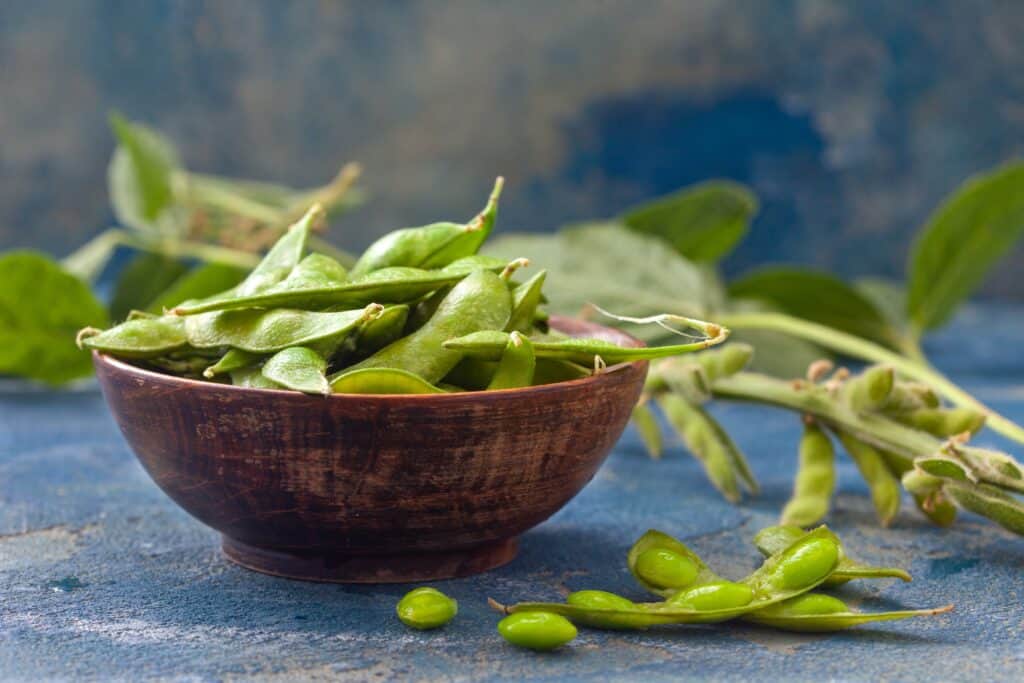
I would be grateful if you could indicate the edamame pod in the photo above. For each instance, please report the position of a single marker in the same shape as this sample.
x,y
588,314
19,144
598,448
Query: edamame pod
x,y
431,246
265,332
816,613
388,285
381,381
870,389
525,299
714,596
281,259
929,496
489,345
815,479
549,371
648,428
137,338
798,569
316,270
774,539
252,378
298,368
724,361
377,333
943,422
481,301
884,487
233,359
664,579
515,369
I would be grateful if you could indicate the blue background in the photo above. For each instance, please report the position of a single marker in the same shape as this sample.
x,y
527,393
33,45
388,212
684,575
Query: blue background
x,y
851,120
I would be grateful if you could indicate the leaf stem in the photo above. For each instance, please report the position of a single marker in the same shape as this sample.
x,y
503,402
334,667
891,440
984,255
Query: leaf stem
x,y
850,345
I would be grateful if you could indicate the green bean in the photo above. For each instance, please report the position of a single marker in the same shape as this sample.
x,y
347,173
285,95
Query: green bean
x,y
714,596
537,630
298,368
798,569
265,332
426,608
489,345
381,381
599,600
870,389
710,444
774,539
815,613
431,246
137,338
480,301
525,299
884,487
515,369
281,259
233,359
680,569
425,307
943,422
815,480
388,285
315,270
648,428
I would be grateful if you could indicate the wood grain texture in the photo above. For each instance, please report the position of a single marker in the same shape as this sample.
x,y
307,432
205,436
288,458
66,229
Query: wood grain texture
x,y
303,484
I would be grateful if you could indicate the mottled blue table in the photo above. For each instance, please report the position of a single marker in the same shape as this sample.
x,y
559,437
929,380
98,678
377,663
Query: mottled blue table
x,y
102,577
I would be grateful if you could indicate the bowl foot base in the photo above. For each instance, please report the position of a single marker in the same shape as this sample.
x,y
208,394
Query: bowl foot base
x,y
397,568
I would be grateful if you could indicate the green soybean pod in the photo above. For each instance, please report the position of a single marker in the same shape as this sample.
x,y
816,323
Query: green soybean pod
x,y
479,301
599,600
525,300
714,596
316,270
537,630
943,422
908,396
648,428
988,501
381,381
775,539
298,368
233,359
137,338
377,333
724,361
664,565
549,371
815,480
515,369
805,564
269,331
816,613
431,246
870,389
281,258
426,608
472,374
884,487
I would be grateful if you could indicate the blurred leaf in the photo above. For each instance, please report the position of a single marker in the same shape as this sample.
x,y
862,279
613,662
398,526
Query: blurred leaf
x,y
141,281
965,236
817,297
140,178
200,282
704,222
619,270
889,297
42,307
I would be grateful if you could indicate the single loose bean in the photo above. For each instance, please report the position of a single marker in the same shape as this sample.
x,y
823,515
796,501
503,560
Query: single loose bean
x,y
426,608
536,630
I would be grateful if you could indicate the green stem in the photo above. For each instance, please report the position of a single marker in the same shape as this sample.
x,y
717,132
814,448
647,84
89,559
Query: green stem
x,y
850,345
211,194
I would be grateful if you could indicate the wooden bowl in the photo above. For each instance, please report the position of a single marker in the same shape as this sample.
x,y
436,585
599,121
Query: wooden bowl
x,y
372,488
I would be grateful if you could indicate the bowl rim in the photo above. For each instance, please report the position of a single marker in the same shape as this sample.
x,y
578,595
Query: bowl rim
x,y
125,367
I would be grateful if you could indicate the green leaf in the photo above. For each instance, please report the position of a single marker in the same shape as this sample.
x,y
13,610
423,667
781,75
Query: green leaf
x,y
619,270
141,281
817,297
965,236
704,222
140,178
889,297
42,307
200,282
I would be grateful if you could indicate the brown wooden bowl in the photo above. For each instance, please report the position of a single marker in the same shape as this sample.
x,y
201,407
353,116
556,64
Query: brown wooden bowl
x,y
372,488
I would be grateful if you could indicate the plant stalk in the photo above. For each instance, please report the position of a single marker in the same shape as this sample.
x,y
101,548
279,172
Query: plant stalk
x,y
850,345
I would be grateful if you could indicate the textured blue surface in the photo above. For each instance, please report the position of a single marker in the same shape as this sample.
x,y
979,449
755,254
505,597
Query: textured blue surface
x,y
102,577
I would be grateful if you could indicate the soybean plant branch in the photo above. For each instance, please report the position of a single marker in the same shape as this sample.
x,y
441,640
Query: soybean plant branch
x,y
857,347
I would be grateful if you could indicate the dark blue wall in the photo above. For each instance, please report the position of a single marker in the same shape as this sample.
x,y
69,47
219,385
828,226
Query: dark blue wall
x,y
851,120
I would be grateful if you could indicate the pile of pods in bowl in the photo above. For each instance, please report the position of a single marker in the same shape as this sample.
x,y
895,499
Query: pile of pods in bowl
x,y
419,312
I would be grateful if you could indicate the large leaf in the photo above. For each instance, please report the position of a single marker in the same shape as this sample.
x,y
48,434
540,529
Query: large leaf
x,y
140,178
200,282
620,271
817,297
972,229
42,307
704,222
142,280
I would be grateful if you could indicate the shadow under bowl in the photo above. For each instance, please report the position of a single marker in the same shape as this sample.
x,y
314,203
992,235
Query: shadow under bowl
x,y
372,488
